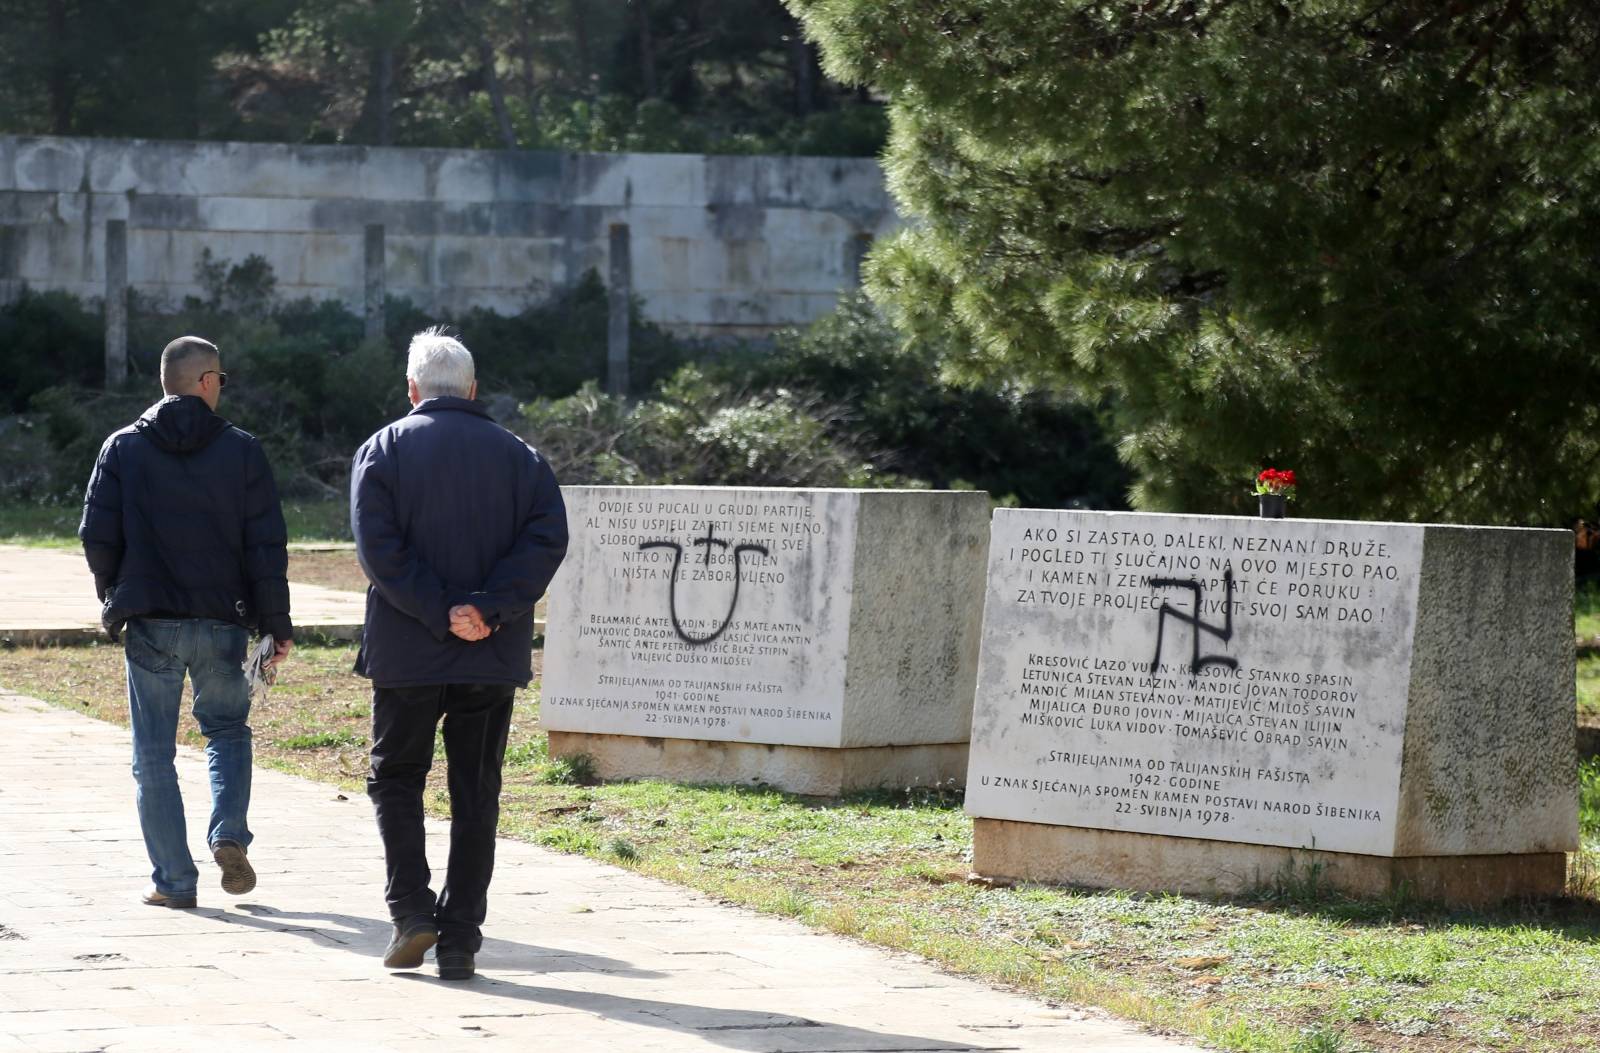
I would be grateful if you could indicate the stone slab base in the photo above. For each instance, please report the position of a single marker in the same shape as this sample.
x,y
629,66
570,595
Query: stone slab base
x,y
810,770
1070,855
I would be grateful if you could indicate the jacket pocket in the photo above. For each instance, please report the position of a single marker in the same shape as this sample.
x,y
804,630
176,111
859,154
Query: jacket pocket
x,y
229,643
150,644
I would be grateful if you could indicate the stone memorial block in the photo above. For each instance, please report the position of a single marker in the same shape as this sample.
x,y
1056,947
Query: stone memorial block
x,y
1205,703
814,640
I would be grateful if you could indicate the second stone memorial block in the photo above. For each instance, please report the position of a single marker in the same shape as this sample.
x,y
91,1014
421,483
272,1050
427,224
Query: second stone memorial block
x,y
1211,704
816,641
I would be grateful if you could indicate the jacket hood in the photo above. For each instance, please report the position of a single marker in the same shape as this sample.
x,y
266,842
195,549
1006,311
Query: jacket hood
x,y
181,424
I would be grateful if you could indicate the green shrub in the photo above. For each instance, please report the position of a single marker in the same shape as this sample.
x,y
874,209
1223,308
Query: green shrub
x,y
551,350
841,403
303,378
74,422
574,770
851,131
889,396
46,339
1589,799
26,472
319,740
696,432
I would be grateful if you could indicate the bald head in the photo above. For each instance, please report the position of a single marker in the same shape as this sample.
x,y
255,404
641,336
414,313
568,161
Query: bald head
x,y
183,361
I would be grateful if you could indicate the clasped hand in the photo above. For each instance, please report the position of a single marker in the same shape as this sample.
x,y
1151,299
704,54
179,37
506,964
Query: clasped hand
x,y
466,621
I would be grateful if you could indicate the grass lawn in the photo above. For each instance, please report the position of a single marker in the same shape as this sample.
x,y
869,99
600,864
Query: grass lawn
x,y
1292,969
56,526
1586,612
47,526
1589,689
317,520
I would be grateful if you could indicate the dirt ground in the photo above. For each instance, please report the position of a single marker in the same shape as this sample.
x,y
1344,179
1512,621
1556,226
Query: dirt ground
x,y
331,568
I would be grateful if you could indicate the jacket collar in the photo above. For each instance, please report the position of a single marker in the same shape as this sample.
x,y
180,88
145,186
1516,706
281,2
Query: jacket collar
x,y
451,402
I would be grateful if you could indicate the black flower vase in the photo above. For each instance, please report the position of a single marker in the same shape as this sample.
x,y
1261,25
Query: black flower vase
x,y
1273,505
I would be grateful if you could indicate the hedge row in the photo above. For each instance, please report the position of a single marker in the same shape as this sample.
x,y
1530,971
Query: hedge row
x,y
841,403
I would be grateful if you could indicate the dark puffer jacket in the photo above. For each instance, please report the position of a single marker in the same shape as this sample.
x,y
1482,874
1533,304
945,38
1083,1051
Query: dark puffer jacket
x,y
182,520
450,508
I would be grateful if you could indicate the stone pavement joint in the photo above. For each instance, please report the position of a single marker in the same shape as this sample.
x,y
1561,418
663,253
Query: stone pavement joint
x,y
578,956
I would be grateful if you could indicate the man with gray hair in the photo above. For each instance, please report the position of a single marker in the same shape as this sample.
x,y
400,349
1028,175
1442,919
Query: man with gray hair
x,y
459,526
183,531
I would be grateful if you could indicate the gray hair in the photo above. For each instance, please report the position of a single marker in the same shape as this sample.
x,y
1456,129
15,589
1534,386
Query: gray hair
x,y
440,364
182,362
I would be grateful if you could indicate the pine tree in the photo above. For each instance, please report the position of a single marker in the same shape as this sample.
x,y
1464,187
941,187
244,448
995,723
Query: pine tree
x,y
1352,237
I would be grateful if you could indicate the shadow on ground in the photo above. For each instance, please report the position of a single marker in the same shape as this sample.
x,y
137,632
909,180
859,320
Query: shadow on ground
x,y
739,1029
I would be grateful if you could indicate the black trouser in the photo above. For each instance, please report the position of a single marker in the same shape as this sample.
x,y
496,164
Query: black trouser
x,y
476,720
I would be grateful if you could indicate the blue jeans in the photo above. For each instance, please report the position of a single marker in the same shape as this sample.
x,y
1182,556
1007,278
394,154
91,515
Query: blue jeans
x,y
159,652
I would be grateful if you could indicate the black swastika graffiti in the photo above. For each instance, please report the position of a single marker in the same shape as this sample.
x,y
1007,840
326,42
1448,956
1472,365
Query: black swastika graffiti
x,y
1196,624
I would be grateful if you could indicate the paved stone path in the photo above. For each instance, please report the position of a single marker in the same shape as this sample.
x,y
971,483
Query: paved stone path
x,y
580,956
47,596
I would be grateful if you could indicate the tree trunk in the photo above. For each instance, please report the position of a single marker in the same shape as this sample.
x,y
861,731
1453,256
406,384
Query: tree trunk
x,y
383,93
580,34
497,94
647,50
800,63
476,16
61,93
530,84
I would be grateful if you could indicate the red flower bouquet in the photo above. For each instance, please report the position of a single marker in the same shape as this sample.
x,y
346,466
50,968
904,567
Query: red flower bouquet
x,y
1272,481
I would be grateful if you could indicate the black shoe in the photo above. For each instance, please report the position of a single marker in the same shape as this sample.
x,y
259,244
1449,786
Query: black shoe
x,y
455,965
412,938
157,898
238,877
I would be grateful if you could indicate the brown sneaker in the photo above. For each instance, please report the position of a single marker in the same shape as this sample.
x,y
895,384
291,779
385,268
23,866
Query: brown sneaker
x,y
238,877
411,941
157,898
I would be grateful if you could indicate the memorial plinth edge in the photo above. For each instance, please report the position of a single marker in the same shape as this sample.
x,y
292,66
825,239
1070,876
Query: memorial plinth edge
x,y
1067,855
811,771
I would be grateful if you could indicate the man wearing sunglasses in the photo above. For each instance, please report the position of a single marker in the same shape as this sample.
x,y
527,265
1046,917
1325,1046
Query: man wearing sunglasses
x,y
185,536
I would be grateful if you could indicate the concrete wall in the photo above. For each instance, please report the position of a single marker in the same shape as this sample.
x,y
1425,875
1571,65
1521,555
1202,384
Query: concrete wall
x,y
719,244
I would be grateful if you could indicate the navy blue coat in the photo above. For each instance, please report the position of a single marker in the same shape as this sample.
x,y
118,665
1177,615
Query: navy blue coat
x,y
449,508
182,519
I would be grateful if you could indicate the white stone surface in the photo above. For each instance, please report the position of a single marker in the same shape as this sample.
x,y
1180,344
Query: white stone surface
x,y
831,618
1381,689
655,630
721,244
1290,731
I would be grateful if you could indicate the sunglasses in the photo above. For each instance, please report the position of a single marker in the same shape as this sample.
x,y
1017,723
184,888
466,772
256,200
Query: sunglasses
x,y
222,378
